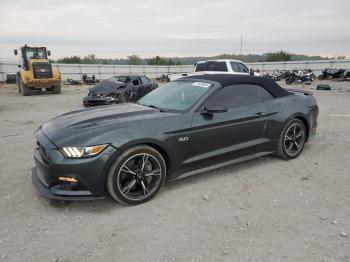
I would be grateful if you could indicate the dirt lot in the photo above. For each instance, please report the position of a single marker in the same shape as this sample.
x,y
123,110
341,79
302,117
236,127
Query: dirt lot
x,y
261,210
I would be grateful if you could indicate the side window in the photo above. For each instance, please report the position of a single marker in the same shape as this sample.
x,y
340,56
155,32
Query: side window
x,y
135,82
264,95
235,67
236,95
202,67
217,66
243,68
145,80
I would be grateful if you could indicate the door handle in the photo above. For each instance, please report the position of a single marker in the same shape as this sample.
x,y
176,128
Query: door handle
x,y
260,114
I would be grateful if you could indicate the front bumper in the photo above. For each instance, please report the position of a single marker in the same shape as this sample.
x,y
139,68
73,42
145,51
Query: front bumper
x,y
98,101
45,191
43,83
89,172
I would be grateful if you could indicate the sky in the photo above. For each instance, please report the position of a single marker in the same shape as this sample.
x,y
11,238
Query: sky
x,y
118,28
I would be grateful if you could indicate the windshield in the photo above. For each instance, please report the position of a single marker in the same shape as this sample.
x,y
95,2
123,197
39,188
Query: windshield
x,y
35,53
177,96
120,79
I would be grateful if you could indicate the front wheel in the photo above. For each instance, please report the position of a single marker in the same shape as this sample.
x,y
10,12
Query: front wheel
x,y
292,140
56,89
136,175
24,90
121,99
18,84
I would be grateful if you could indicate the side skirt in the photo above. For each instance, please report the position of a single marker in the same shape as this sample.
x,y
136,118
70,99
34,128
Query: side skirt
x,y
223,164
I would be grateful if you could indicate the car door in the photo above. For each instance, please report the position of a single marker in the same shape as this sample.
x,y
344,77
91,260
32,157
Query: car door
x,y
243,68
272,107
235,67
143,88
147,86
236,132
137,88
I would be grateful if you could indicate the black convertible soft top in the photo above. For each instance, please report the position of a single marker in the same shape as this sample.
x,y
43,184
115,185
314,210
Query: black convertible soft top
x,y
225,80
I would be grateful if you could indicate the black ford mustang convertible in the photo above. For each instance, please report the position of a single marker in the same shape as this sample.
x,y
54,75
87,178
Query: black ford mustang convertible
x,y
184,127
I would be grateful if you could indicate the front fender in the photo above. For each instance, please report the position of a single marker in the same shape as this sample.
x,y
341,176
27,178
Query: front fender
x,y
160,146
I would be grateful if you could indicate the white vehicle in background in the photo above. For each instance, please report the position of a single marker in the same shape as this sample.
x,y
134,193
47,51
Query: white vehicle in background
x,y
217,66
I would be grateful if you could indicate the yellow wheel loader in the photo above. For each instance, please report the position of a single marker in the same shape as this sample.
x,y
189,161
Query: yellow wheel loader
x,y
36,71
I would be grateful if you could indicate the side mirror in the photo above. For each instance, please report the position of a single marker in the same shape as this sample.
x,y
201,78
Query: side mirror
x,y
19,66
251,71
212,109
48,52
15,52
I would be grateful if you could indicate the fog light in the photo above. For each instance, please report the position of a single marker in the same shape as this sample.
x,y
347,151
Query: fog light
x,y
68,179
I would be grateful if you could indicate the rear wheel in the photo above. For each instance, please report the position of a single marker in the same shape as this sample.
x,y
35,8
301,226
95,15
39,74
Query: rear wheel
x,y
136,175
56,89
292,140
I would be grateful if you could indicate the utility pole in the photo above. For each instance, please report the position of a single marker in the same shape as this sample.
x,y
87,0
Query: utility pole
x,y
241,50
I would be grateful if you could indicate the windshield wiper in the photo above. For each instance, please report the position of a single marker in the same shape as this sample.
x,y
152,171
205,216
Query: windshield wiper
x,y
156,107
152,106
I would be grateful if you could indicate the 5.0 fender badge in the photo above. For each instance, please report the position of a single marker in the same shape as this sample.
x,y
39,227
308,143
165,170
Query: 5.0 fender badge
x,y
183,139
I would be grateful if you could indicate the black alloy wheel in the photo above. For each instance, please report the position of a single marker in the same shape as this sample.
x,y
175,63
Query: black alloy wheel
x,y
137,175
292,140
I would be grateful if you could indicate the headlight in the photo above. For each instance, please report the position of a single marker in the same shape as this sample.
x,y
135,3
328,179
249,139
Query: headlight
x,y
82,152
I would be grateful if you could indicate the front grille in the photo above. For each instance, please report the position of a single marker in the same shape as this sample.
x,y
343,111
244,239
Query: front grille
x,y
42,70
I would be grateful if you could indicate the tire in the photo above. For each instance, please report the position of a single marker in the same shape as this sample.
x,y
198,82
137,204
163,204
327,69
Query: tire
x,y
18,85
24,90
137,183
121,99
56,89
294,142
132,97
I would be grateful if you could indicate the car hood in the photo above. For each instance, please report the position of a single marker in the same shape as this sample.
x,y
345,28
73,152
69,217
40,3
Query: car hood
x,y
99,125
107,87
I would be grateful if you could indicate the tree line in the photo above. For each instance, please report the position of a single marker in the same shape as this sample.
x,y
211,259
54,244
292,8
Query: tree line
x,y
157,60
131,60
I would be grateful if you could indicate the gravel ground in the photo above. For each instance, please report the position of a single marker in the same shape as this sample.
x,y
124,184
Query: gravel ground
x,y
261,210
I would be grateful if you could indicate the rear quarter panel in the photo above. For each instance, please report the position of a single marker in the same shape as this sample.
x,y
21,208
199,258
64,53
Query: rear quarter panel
x,y
286,108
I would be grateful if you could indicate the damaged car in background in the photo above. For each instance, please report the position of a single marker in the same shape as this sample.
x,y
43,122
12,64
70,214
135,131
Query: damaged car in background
x,y
119,89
